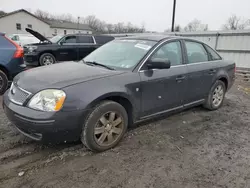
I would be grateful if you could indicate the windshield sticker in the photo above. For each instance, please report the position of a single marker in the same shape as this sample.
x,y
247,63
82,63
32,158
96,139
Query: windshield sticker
x,y
128,40
143,46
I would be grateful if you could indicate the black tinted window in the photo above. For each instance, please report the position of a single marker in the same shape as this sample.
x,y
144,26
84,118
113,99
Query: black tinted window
x,y
212,54
170,51
85,39
103,39
70,39
196,52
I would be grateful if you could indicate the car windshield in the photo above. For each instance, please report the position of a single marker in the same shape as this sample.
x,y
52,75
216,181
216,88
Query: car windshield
x,y
55,39
123,53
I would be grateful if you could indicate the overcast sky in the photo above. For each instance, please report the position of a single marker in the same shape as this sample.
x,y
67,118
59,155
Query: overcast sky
x,y
155,14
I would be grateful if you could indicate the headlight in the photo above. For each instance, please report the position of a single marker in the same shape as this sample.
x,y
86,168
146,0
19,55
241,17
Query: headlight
x,y
49,100
31,48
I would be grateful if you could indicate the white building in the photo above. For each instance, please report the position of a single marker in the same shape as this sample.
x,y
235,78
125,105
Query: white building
x,y
16,22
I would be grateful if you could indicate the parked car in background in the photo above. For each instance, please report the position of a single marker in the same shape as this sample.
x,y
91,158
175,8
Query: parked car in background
x,y
123,82
11,61
71,47
23,39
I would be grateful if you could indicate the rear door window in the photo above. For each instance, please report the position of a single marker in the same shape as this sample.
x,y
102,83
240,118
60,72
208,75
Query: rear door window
x,y
103,39
85,39
196,52
70,39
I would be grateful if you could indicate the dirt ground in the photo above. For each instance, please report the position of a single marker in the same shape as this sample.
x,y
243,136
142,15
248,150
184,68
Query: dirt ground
x,y
192,149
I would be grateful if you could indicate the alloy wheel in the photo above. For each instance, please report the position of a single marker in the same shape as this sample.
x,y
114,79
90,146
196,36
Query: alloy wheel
x,y
218,96
108,129
48,60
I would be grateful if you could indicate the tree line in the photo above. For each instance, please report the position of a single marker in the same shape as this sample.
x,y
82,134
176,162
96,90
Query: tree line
x,y
233,23
95,23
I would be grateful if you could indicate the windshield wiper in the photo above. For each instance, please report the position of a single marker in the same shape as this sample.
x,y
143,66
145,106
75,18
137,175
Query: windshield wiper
x,y
98,64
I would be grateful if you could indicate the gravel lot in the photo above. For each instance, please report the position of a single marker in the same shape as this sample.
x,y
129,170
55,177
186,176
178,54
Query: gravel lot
x,y
192,149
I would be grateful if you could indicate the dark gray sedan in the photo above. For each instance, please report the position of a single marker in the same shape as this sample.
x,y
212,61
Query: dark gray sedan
x,y
123,82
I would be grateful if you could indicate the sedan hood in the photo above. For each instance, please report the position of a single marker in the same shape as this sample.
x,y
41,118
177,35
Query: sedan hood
x,y
38,35
60,75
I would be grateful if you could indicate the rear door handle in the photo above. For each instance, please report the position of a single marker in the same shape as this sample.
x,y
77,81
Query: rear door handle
x,y
212,71
180,78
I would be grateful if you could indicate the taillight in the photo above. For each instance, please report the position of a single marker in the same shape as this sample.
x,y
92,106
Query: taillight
x,y
19,50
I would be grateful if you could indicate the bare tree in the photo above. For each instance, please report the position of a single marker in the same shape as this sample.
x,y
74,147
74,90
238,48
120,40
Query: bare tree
x,y
42,14
177,28
64,17
92,21
236,23
196,25
110,28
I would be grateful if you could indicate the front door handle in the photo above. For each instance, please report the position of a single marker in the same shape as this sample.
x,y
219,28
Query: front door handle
x,y
180,78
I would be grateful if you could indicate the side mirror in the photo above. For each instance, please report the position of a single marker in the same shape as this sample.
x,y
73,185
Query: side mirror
x,y
159,64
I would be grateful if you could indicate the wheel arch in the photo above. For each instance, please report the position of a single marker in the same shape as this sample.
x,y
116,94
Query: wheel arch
x,y
6,71
121,98
224,79
46,51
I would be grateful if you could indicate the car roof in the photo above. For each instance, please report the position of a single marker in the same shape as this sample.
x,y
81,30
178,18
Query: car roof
x,y
83,34
156,38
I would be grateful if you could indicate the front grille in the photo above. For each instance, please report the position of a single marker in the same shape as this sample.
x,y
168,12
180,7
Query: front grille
x,y
25,49
18,95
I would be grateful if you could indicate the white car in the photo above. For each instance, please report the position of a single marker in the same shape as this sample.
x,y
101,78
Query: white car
x,y
23,39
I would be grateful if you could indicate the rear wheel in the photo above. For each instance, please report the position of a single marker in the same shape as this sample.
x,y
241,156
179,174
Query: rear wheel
x,y
3,82
47,59
105,126
216,96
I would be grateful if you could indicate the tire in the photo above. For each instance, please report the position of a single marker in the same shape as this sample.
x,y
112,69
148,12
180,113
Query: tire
x,y
47,59
97,126
3,82
210,103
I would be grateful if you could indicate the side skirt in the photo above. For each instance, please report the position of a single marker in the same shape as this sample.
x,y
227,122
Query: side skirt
x,y
179,108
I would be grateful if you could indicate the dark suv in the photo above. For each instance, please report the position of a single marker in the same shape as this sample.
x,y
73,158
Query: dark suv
x,y
11,61
72,47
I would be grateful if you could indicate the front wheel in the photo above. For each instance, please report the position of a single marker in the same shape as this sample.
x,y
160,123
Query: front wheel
x,y
47,59
216,96
105,126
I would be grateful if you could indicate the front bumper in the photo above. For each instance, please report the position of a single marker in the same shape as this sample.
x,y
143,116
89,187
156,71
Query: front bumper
x,y
44,126
15,66
31,59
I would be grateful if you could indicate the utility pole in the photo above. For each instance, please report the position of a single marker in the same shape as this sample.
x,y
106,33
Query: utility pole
x,y
173,17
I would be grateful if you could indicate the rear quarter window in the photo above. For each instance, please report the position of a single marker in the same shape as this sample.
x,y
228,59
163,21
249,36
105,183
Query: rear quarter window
x,y
213,55
103,39
85,39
